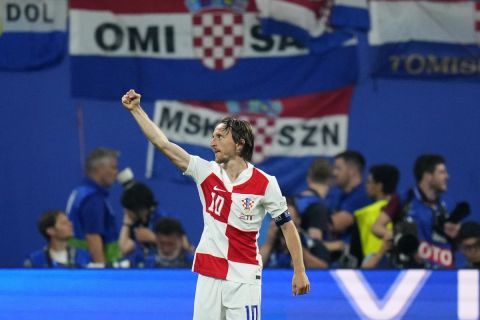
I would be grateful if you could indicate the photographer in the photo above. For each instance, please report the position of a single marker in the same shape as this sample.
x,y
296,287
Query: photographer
x,y
137,239
425,206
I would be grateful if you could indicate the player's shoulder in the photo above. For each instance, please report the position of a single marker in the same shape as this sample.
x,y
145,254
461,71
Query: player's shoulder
x,y
260,175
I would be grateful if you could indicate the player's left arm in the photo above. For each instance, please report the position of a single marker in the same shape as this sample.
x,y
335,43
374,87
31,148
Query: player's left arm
x,y
300,283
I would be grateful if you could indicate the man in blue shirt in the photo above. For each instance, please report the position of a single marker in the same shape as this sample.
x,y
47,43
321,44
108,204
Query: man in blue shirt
x,y
57,230
89,210
348,173
425,206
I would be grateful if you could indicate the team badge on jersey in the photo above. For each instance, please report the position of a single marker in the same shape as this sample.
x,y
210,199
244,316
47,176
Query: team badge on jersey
x,y
247,205
218,31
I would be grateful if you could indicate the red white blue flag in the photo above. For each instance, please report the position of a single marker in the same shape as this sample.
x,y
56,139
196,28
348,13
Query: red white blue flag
x,y
289,132
203,50
320,25
434,39
33,34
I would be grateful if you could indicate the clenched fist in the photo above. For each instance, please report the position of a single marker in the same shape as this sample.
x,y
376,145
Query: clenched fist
x,y
131,100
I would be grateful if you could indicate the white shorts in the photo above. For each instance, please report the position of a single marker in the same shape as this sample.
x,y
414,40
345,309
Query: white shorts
x,y
217,299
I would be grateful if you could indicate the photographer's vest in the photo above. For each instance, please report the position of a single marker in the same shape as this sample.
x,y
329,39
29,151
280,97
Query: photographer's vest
x,y
366,218
75,202
435,249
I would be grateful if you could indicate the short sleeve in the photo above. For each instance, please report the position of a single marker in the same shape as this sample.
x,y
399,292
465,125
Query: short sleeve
x,y
274,202
198,169
92,214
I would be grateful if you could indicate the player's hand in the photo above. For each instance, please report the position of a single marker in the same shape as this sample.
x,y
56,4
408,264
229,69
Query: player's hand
x,y
131,100
300,283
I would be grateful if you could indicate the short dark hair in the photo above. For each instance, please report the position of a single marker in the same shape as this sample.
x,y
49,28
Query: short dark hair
x,y
354,158
169,226
320,171
138,196
426,163
48,219
469,229
98,155
241,129
387,175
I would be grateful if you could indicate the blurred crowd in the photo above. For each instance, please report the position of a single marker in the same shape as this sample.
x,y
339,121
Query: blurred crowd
x,y
343,219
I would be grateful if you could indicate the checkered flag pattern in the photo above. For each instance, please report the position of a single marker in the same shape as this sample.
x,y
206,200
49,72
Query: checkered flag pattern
x,y
218,38
264,130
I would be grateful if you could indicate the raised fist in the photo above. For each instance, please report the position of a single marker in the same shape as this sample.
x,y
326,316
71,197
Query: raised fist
x,y
131,99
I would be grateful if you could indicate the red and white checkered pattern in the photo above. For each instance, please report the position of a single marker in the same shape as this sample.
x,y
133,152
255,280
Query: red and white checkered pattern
x,y
228,247
218,38
264,131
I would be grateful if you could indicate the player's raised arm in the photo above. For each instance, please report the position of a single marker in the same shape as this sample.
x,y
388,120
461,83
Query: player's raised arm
x,y
178,156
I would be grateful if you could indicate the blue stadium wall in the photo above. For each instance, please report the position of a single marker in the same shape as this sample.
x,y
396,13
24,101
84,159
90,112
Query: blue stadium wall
x,y
40,159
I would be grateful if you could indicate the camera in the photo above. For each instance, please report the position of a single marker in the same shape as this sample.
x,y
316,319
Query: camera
x,y
405,246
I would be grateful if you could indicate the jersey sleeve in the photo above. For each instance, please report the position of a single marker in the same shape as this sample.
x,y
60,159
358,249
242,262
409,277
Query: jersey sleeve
x,y
198,169
274,203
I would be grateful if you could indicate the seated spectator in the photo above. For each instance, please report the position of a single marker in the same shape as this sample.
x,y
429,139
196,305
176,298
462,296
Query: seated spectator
x,y
57,230
170,251
275,253
381,184
468,240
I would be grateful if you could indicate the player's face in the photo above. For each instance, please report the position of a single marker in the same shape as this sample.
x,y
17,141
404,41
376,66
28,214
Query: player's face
x,y
223,145
341,173
439,178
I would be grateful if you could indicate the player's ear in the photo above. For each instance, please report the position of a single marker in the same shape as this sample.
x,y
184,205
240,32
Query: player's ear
x,y
240,145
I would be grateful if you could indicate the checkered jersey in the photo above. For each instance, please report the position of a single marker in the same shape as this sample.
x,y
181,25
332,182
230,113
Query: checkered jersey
x,y
232,215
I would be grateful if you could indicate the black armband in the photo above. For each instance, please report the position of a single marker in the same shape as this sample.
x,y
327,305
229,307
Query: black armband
x,y
283,218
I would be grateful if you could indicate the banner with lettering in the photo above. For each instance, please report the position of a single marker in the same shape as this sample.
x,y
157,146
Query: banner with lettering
x,y
289,132
33,34
319,25
436,39
203,50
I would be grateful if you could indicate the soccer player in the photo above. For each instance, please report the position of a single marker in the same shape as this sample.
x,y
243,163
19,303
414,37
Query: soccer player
x,y
235,197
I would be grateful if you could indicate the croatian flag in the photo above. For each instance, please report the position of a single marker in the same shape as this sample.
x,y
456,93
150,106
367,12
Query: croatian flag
x,y
426,39
289,132
319,25
193,50
33,34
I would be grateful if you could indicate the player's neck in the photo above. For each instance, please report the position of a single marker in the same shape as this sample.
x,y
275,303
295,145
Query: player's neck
x,y
235,167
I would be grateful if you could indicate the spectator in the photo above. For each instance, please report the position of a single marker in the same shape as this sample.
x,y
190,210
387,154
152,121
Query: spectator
x,y
313,203
348,173
170,252
468,240
89,210
381,184
275,253
425,206
57,230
